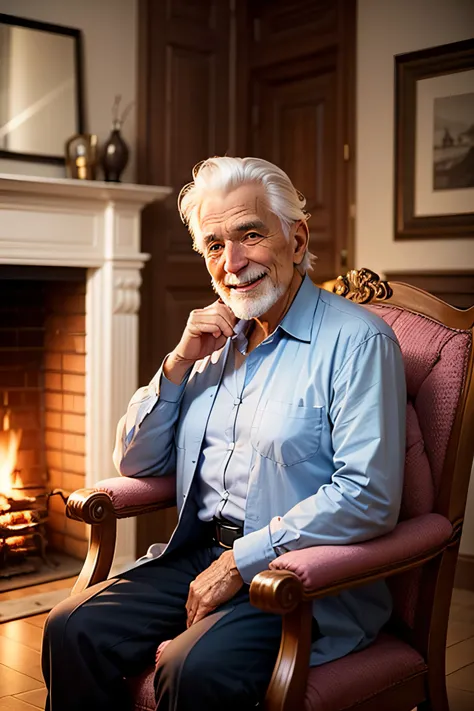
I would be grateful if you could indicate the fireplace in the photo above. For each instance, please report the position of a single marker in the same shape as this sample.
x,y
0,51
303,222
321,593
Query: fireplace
x,y
42,413
70,266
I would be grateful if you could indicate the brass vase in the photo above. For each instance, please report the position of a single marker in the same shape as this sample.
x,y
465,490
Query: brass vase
x,y
81,156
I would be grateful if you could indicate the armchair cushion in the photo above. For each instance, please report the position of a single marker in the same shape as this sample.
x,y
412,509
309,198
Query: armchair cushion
x,y
321,567
128,492
361,675
335,685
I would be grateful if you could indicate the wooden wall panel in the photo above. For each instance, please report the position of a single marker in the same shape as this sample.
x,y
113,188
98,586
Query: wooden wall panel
x,y
200,12
454,287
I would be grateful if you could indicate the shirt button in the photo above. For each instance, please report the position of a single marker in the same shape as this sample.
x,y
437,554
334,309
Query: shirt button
x,y
231,445
237,401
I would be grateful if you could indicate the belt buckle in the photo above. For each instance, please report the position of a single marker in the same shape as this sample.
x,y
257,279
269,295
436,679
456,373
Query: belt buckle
x,y
224,545
221,529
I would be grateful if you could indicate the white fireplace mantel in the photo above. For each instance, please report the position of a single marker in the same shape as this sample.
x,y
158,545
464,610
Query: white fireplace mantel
x,y
96,225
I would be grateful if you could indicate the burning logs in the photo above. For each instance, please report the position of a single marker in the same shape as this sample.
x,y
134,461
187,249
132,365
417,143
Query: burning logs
x,y
21,530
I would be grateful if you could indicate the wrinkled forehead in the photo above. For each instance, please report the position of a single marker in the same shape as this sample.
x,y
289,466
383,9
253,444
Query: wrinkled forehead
x,y
221,213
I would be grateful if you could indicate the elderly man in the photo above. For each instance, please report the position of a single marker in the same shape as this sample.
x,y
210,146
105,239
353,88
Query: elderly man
x,y
281,410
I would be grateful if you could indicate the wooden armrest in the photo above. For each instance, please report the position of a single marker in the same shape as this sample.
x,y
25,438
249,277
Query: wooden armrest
x,y
102,506
328,570
281,593
122,497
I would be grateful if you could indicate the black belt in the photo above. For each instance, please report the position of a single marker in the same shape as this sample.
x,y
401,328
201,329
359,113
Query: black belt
x,y
225,533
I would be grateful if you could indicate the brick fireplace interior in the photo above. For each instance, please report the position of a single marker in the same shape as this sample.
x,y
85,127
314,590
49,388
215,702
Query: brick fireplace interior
x,y
42,391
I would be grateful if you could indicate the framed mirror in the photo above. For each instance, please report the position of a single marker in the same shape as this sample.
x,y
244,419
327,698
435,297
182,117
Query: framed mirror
x,y
41,93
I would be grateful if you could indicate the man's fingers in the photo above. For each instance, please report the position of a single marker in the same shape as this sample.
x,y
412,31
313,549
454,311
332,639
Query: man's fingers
x,y
201,613
223,319
197,329
192,604
209,323
222,309
227,313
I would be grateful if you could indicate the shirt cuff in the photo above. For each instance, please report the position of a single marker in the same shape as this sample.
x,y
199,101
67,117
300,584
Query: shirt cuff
x,y
170,392
253,553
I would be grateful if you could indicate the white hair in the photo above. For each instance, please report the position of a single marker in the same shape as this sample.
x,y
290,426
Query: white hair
x,y
225,174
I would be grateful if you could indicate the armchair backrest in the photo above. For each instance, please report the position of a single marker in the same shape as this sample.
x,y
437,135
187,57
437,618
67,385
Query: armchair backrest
x,y
437,346
435,358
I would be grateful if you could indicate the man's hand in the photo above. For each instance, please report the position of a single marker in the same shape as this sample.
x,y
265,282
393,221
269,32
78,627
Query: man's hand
x,y
206,331
213,587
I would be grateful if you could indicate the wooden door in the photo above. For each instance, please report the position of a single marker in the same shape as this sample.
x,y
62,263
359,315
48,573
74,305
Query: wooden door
x,y
300,68
183,118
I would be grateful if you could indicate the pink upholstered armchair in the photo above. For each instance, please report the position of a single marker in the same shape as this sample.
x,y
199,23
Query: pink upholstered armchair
x,y
404,667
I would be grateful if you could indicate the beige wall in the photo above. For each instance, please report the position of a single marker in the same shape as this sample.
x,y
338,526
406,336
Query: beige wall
x,y
110,63
387,28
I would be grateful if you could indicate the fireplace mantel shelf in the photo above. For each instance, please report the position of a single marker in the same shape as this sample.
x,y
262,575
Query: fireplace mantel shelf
x,y
82,189
94,225
75,223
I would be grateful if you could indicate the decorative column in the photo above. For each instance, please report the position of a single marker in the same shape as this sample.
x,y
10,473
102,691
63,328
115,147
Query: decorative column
x,y
113,302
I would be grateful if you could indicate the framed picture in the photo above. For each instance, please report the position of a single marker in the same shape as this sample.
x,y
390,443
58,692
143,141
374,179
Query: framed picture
x,y
434,142
41,89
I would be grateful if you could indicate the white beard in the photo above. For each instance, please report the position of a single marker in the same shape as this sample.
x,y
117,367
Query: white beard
x,y
254,303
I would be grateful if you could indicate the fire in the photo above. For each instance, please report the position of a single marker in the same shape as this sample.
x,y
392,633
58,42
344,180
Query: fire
x,y
15,541
9,445
17,519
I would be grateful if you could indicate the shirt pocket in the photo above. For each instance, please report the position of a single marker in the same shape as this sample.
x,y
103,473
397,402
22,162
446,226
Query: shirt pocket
x,y
286,433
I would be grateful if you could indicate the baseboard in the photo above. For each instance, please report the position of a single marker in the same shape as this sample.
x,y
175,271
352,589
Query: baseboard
x,y
464,577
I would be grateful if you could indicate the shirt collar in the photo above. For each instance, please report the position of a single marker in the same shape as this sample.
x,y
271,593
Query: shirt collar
x,y
297,322
240,339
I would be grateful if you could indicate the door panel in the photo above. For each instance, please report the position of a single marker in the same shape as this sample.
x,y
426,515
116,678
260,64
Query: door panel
x,y
294,127
183,118
300,57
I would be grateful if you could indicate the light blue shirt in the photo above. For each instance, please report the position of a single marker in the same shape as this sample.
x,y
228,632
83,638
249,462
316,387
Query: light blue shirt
x,y
328,443
227,454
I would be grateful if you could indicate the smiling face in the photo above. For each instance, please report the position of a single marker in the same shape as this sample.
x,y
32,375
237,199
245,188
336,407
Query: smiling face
x,y
251,261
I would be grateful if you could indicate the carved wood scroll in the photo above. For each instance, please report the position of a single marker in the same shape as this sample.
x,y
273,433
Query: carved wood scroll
x,y
362,286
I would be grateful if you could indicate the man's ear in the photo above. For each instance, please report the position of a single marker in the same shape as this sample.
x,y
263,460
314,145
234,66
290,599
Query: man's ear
x,y
301,239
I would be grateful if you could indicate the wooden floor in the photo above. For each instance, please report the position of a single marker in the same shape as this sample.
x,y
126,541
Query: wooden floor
x,y
21,682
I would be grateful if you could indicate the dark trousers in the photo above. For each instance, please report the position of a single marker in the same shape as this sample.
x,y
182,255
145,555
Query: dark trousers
x,y
94,639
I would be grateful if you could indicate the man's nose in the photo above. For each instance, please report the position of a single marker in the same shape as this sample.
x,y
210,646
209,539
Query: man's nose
x,y
235,258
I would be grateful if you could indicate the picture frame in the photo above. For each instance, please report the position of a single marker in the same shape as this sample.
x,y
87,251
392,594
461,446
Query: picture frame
x,y
41,89
434,143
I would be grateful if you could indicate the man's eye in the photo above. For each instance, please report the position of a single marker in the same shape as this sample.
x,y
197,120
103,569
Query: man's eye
x,y
215,247
253,236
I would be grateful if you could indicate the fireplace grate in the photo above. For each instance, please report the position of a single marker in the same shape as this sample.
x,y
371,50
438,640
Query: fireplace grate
x,y
23,521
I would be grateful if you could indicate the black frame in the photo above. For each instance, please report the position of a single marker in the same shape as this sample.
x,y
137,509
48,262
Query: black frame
x,y
78,53
410,68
